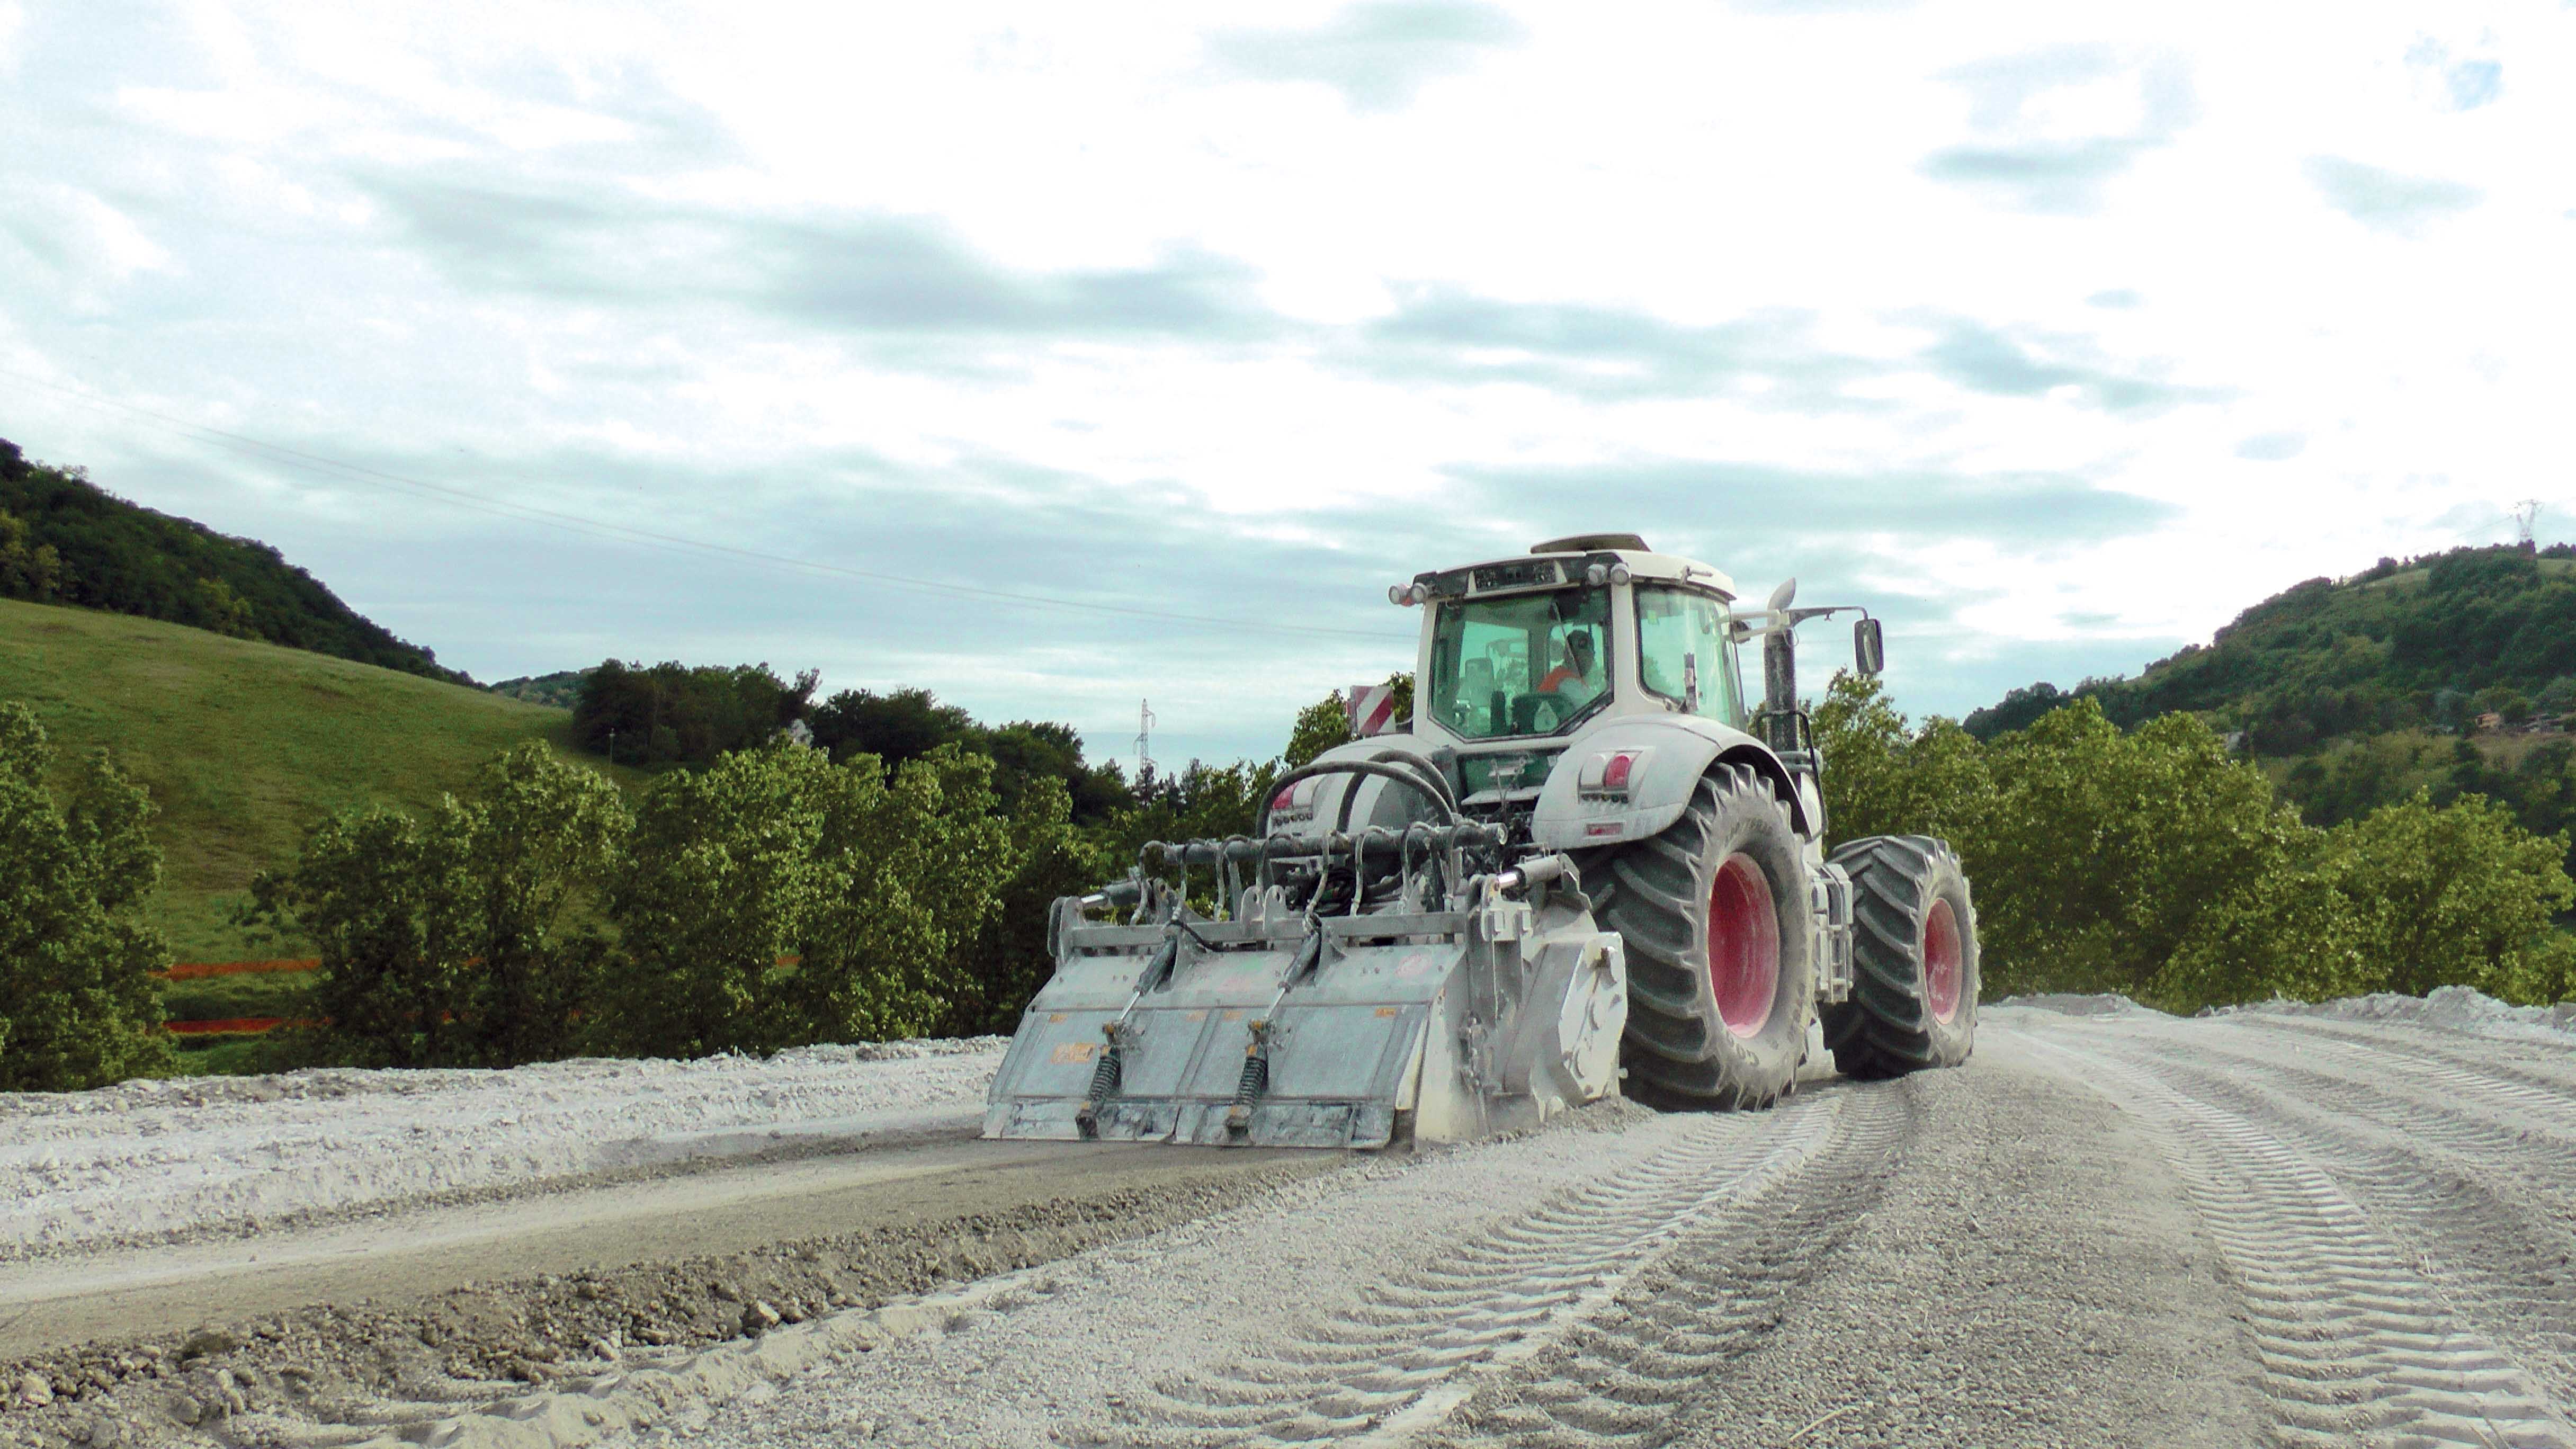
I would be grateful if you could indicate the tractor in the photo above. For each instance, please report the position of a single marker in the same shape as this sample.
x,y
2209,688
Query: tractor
x,y
1586,866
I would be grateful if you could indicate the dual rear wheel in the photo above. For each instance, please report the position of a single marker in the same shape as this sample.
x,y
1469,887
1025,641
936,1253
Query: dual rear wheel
x,y
1914,960
1721,977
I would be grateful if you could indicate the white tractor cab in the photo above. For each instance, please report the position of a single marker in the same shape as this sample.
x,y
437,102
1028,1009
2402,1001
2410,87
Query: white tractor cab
x,y
1586,865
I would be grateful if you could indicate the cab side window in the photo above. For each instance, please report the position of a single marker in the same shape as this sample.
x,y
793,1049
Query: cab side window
x,y
1683,652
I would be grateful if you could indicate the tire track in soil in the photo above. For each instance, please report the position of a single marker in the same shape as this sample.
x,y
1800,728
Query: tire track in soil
x,y
2357,1345
1407,1355
2525,1086
1626,1376
2480,1132
2500,1256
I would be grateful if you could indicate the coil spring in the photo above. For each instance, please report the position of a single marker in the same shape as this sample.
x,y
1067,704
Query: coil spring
x,y
1255,1080
1105,1076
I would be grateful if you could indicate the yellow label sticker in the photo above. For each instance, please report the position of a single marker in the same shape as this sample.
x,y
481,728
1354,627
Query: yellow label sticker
x,y
1068,1053
1390,1011
1234,1016
1198,1016
1055,1018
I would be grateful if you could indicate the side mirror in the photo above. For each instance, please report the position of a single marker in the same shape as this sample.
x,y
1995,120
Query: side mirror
x,y
1869,647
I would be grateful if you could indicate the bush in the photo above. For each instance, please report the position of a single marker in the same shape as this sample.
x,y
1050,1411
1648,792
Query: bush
x,y
918,862
2102,849
1008,960
2150,863
2459,895
79,1006
445,939
872,882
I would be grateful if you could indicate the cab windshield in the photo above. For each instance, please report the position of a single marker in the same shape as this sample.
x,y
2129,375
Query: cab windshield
x,y
1525,664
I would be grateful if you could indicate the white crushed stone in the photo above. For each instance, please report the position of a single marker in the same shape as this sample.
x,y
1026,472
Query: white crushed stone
x,y
1160,1311
2063,1003
156,1158
2460,1008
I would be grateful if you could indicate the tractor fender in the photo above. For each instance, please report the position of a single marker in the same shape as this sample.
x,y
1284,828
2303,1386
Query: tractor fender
x,y
1381,801
1674,751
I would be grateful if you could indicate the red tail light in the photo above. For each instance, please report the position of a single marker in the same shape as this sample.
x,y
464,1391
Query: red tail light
x,y
1614,776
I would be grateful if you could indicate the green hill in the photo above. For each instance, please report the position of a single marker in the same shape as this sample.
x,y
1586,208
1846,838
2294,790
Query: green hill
x,y
244,744
2424,644
65,540
561,689
2451,674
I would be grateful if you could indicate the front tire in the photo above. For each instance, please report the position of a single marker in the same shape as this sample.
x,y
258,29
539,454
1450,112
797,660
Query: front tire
x,y
1720,983
1914,960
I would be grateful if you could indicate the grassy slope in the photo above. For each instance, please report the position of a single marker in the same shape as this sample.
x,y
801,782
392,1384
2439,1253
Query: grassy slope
x,y
244,745
2326,660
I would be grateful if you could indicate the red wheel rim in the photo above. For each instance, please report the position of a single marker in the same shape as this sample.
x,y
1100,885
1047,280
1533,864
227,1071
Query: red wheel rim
x,y
1743,945
1941,964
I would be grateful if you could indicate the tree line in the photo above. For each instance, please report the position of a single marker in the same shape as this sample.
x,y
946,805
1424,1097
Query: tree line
x,y
2152,863
783,894
65,540
2421,643
2363,692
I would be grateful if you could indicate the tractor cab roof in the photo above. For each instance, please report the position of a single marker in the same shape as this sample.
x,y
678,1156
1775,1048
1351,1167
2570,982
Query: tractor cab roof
x,y
1562,561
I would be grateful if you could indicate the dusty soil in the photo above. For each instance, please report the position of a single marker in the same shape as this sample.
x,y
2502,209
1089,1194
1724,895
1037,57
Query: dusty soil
x,y
2344,1226
450,1307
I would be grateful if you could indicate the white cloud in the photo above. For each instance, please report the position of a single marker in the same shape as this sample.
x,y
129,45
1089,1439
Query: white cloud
x,y
2260,300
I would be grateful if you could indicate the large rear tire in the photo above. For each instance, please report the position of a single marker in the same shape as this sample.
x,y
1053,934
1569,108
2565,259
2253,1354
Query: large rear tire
x,y
1914,960
1714,915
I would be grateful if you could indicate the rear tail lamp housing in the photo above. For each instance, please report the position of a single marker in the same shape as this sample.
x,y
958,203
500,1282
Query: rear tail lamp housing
x,y
1295,803
1612,775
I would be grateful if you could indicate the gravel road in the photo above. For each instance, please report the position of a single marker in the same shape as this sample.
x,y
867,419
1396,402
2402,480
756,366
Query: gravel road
x,y
2347,1225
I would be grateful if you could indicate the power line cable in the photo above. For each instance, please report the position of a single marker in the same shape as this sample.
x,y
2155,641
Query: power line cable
x,y
626,533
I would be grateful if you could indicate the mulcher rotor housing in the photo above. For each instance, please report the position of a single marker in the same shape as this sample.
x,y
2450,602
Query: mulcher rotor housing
x,y
1586,865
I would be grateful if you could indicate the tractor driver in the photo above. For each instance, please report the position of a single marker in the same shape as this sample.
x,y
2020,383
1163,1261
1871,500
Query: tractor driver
x,y
1574,680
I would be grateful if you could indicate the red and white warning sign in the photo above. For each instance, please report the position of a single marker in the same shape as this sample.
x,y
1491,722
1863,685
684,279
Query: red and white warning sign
x,y
1372,708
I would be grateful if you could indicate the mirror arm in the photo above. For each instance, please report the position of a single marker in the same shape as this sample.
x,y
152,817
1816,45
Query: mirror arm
x,y
1754,623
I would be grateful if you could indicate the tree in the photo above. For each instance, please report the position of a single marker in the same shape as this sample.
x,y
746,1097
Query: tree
x,y
2016,710
673,713
1883,776
2103,848
385,897
542,838
2459,895
1010,959
1319,727
1027,753
900,725
446,938
918,862
2147,862
1202,802
63,539
722,875
776,899
28,570
79,1006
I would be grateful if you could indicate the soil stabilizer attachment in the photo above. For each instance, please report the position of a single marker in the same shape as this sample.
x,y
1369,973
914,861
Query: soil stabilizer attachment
x,y
1348,997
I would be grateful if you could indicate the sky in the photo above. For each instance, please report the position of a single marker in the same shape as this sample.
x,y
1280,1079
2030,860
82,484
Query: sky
x,y
1058,358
